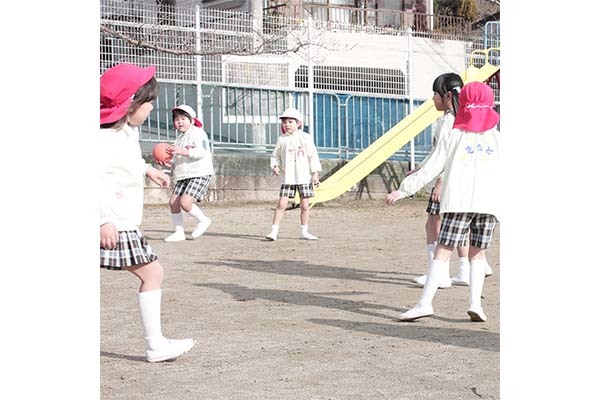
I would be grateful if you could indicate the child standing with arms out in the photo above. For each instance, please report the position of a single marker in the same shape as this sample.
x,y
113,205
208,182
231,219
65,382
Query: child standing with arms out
x,y
446,89
295,158
192,171
469,158
126,95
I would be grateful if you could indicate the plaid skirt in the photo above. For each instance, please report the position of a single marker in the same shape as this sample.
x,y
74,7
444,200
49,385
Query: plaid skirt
x,y
194,187
433,207
454,231
305,190
132,249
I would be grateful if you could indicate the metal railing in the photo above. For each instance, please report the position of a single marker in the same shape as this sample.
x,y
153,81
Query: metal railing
x,y
240,97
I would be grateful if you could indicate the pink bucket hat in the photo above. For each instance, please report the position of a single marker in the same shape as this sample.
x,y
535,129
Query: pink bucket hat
x,y
476,108
190,111
117,87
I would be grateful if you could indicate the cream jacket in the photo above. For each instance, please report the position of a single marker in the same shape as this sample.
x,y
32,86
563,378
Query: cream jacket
x,y
200,162
471,172
122,177
297,158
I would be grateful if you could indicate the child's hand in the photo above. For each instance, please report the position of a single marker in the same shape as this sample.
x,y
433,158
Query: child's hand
x,y
315,179
159,177
178,150
276,170
392,197
435,195
164,164
109,236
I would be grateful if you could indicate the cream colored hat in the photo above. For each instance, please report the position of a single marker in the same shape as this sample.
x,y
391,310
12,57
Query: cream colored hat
x,y
292,113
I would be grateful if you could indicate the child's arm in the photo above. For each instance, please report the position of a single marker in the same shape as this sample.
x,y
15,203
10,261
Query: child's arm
x,y
313,160
428,171
275,161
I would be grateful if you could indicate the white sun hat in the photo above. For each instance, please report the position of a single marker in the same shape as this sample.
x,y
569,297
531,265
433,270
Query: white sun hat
x,y
187,109
292,113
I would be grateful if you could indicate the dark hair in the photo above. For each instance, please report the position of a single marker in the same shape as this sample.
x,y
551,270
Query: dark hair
x,y
449,82
177,112
146,93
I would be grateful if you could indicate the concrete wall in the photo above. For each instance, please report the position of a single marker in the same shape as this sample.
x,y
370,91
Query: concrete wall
x,y
248,179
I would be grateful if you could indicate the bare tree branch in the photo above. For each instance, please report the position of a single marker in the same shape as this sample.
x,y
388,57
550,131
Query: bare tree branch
x,y
264,45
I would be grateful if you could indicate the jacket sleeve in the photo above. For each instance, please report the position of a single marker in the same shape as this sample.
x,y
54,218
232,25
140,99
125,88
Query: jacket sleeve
x,y
276,155
201,144
313,155
428,171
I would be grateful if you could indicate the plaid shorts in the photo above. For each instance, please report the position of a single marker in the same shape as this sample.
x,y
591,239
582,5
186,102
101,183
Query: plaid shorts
x,y
455,229
433,207
194,187
132,249
305,190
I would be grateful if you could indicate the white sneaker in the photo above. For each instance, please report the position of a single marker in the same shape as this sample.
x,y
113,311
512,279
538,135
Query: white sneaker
x,y
201,228
477,314
460,280
169,350
444,284
176,236
308,236
271,236
415,313
488,270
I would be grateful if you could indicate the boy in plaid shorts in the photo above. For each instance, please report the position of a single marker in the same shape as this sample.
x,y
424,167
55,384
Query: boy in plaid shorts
x,y
295,158
469,159
192,170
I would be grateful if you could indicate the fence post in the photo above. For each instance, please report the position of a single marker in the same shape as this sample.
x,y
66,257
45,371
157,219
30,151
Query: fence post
x,y
410,76
199,100
311,79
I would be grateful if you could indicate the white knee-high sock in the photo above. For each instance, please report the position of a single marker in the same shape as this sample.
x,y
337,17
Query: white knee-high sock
x,y
477,279
197,213
430,252
436,270
177,220
149,304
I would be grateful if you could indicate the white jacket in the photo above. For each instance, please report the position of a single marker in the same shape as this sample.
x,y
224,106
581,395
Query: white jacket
x,y
199,163
123,172
471,172
296,156
443,126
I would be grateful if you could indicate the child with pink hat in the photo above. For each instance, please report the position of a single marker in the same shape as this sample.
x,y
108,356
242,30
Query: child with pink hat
x,y
126,95
469,159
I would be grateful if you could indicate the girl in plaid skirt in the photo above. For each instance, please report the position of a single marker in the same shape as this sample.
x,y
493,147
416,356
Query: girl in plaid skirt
x,y
295,158
469,159
192,170
446,89
126,95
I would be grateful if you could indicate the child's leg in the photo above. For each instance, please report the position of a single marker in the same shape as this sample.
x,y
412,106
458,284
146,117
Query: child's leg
x,y
453,231
176,219
477,279
279,210
482,228
432,230
304,212
464,267
277,216
188,204
158,348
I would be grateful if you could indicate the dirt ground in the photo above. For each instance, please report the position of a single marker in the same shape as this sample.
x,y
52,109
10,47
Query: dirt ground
x,y
296,319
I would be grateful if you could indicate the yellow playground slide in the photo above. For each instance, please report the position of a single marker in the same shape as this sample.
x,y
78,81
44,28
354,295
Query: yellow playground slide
x,y
384,147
